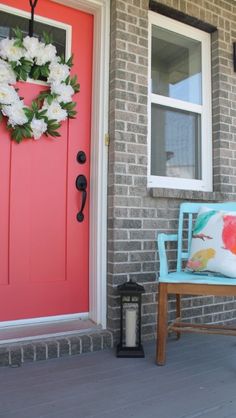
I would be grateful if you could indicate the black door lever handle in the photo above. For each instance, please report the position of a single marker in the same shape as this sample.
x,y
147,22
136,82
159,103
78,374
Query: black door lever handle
x,y
81,185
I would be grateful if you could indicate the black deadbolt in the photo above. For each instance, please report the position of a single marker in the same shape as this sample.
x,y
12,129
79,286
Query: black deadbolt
x,y
81,157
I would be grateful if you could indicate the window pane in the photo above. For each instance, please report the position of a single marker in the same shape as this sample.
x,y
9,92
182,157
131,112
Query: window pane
x,y
176,66
10,21
175,143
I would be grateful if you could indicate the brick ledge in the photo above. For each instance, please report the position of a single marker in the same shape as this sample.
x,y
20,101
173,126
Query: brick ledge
x,y
15,355
192,195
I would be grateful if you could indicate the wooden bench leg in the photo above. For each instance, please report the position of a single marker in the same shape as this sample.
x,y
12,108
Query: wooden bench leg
x,y
178,313
162,322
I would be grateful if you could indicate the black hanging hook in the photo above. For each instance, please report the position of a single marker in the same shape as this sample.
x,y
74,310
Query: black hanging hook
x,y
33,4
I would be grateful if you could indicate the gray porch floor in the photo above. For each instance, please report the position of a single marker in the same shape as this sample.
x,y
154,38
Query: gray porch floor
x,y
198,381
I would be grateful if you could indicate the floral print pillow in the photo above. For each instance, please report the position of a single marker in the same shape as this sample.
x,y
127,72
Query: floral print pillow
x,y
213,246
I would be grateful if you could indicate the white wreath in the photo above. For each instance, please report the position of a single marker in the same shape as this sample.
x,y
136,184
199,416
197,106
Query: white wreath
x,y
23,58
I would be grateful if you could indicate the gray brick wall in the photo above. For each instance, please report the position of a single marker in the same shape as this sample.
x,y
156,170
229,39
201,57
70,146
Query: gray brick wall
x,y
135,213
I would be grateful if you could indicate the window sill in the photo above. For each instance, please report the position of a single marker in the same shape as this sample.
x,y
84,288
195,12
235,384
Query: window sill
x,y
190,195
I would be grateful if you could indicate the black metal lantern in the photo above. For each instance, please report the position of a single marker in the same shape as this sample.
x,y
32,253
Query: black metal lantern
x,y
130,320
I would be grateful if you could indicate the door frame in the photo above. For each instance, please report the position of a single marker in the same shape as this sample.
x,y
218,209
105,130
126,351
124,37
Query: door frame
x,y
100,9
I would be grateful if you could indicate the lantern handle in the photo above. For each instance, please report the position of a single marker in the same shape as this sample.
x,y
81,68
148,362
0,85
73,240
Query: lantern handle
x,y
33,4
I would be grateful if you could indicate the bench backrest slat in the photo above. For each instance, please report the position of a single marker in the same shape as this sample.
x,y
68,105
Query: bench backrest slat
x,y
187,211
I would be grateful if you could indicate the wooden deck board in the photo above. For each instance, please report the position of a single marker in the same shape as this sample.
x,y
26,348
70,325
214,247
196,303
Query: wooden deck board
x,y
198,380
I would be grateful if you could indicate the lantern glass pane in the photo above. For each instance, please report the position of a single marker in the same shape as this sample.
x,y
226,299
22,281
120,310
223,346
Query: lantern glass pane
x,y
130,324
125,299
135,299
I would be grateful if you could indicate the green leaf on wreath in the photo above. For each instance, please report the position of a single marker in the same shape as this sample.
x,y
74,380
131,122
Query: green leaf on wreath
x,y
53,125
34,106
74,84
69,62
18,33
29,113
67,80
27,131
13,64
62,59
50,99
44,70
53,133
68,106
19,43
47,38
43,94
42,114
35,72
23,75
26,64
71,114
18,133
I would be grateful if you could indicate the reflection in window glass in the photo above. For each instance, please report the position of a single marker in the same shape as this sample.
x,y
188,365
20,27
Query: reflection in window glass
x,y
175,143
10,21
176,66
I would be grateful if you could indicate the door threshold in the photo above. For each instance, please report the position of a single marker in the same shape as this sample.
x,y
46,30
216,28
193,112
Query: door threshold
x,y
42,331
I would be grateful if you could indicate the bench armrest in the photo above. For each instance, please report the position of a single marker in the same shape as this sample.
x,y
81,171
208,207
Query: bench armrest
x,y
161,240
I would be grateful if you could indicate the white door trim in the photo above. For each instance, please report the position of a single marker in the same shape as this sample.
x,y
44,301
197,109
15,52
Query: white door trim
x,y
99,155
99,159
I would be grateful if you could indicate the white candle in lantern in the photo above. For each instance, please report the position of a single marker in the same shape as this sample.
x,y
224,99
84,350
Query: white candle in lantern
x,y
130,327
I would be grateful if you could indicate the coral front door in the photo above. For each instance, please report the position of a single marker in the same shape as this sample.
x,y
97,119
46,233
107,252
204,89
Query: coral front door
x,y
43,247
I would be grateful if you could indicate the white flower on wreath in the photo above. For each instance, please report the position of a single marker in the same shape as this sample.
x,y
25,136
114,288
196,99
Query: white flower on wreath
x,y
64,92
9,51
31,45
7,74
15,113
58,72
38,127
8,94
45,53
55,111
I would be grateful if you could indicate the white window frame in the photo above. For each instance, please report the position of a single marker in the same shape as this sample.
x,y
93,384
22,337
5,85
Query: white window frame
x,y
205,184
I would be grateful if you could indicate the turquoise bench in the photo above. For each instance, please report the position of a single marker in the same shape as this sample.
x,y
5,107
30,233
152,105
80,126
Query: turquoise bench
x,y
180,282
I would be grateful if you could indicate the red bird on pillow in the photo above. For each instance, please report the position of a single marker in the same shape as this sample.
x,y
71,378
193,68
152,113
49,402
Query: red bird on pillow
x,y
229,233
